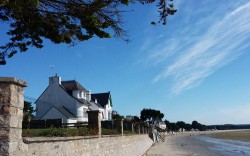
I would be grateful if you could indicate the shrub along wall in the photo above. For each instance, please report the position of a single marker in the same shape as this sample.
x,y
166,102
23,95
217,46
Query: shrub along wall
x,y
134,145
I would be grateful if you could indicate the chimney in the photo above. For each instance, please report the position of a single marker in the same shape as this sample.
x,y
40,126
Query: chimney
x,y
54,80
88,95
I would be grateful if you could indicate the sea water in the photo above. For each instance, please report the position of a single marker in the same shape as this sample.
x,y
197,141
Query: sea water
x,y
228,147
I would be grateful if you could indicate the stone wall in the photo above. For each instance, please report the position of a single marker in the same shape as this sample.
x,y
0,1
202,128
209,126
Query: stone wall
x,y
135,145
11,114
12,144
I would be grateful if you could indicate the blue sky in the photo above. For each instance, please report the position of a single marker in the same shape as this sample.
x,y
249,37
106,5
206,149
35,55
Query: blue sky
x,y
195,68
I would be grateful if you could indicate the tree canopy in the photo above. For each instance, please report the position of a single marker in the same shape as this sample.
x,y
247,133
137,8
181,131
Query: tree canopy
x,y
184,126
65,21
151,115
28,111
117,116
199,126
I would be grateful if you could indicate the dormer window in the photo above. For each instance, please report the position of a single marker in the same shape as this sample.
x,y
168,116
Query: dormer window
x,y
82,94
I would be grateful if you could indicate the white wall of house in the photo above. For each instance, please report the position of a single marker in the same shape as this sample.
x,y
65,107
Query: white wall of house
x,y
56,95
79,94
71,121
88,95
108,111
82,113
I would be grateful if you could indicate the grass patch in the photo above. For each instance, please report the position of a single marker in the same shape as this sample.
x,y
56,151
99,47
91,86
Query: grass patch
x,y
128,132
57,132
110,131
243,135
68,132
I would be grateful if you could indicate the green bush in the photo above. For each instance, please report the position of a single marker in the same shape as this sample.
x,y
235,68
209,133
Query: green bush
x,y
128,132
58,132
110,131
68,132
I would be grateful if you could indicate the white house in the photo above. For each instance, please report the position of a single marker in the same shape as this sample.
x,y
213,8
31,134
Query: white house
x,y
68,100
105,100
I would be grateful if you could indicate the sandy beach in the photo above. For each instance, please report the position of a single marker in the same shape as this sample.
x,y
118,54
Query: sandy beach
x,y
188,144
181,145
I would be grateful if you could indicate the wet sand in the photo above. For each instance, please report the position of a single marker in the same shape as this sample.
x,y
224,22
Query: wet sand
x,y
241,135
182,145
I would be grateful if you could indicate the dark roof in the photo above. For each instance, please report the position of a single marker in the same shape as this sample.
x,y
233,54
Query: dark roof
x,y
70,94
102,98
94,106
72,85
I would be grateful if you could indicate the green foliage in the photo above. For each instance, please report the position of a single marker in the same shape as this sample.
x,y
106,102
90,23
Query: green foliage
x,y
57,132
180,124
3,2
117,116
67,21
28,111
136,119
188,127
128,132
69,132
197,125
151,115
171,126
110,131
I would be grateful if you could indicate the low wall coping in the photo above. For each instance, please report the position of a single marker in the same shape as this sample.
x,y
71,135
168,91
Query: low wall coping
x,y
29,140
13,80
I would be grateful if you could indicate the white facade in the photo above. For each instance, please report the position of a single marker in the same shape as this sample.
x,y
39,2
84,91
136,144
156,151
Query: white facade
x,y
55,95
104,99
70,98
108,111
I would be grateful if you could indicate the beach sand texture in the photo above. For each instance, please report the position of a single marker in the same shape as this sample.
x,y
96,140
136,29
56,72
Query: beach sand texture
x,y
191,144
182,145
242,135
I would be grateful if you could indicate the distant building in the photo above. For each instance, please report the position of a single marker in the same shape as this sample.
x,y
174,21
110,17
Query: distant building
x,y
105,101
129,117
70,101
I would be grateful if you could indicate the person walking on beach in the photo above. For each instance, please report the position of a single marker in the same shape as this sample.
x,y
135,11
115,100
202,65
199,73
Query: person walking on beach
x,y
156,134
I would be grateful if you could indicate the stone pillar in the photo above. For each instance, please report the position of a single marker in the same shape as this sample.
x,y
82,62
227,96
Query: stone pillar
x,y
122,126
94,121
11,114
133,127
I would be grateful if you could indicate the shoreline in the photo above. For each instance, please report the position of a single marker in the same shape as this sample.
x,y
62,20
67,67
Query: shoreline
x,y
181,145
188,144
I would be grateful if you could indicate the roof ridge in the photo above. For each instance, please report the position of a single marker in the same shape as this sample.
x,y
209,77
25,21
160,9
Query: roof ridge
x,y
103,93
69,80
72,85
